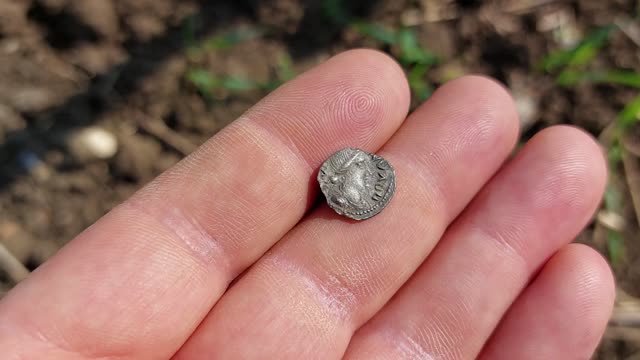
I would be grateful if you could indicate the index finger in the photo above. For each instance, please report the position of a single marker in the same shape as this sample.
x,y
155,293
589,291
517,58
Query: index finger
x,y
136,284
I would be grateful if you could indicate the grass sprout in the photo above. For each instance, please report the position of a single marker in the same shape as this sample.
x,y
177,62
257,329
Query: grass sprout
x,y
614,77
207,83
630,115
615,248
580,55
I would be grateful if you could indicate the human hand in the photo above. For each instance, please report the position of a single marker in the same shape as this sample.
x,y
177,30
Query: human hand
x,y
151,280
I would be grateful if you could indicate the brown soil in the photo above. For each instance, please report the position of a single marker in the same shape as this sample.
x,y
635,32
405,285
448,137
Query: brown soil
x,y
121,64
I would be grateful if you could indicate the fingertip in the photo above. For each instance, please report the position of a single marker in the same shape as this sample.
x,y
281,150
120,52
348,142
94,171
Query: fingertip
x,y
578,283
594,282
381,64
357,98
374,67
493,88
570,134
562,314
573,164
488,100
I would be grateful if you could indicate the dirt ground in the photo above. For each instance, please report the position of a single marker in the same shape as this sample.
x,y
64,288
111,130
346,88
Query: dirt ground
x,y
122,66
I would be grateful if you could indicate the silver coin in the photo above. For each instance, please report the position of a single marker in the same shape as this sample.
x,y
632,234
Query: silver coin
x,y
357,184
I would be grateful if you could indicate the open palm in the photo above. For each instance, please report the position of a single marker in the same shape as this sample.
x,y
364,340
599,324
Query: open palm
x,y
229,255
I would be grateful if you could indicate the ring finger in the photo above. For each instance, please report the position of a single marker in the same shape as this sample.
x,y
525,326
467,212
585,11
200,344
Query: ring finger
x,y
536,204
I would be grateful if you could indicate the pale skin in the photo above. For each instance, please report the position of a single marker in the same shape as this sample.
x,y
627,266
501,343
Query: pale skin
x,y
231,254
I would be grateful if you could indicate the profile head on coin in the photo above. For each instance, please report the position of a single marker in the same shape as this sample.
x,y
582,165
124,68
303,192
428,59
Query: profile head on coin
x,y
357,184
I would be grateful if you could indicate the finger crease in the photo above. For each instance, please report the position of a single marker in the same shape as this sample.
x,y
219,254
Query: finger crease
x,y
405,346
196,239
289,144
506,240
330,292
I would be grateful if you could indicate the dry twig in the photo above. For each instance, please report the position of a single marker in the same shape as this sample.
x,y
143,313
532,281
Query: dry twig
x,y
624,333
630,28
627,313
608,134
12,266
631,145
632,171
525,6
625,319
160,131
611,220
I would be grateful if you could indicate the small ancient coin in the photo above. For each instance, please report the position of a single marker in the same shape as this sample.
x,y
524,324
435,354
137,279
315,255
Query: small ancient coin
x,y
357,184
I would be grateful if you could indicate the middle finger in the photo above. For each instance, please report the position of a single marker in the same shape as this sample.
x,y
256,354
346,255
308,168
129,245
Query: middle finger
x,y
306,297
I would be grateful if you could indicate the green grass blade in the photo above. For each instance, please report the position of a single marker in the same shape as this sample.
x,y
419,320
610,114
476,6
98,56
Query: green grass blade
x,y
613,200
232,38
615,248
621,77
614,156
580,55
570,77
411,50
419,86
630,115
204,81
376,32
584,55
285,68
239,84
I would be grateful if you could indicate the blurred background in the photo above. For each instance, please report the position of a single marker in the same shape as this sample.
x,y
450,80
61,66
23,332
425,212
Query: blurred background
x,y
97,97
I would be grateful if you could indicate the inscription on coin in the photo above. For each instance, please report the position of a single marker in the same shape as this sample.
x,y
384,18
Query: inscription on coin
x,y
357,184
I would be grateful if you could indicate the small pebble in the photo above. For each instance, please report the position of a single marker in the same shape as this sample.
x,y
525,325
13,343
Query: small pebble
x,y
612,220
93,143
527,107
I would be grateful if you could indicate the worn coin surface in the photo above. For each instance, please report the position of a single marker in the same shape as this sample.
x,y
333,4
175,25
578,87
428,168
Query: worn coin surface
x,y
357,184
